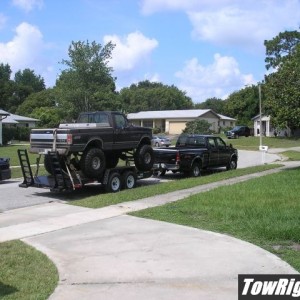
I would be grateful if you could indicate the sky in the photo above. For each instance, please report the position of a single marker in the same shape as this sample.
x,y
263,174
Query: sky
x,y
207,48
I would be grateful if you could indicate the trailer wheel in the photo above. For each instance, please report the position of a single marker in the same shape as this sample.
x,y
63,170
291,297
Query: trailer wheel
x,y
129,179
114,183
144,158
93,163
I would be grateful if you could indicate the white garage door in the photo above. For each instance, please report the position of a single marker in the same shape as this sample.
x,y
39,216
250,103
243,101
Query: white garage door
x,y
176,127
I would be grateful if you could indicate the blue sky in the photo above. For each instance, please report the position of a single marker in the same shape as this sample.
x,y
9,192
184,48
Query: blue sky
x,y
208,48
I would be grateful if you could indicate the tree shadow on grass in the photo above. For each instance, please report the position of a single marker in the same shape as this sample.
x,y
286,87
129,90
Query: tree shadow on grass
x,y
6,290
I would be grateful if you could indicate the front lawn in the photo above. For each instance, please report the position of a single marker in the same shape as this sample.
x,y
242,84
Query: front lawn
x,y
263,211
25,273
102,199
253,142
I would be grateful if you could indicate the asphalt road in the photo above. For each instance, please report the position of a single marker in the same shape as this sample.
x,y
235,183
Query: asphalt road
x,y
12,196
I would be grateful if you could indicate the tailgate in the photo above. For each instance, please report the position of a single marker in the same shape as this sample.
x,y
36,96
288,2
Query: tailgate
x,y
165,155
41,139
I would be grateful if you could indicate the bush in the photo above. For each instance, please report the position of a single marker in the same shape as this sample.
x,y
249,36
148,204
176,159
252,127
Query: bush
x,y
197,126
15,133
156,130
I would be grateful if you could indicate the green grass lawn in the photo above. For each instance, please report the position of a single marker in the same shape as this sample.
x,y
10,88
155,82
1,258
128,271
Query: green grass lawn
x,y
25,273
11,151
268,217
102,199
253,142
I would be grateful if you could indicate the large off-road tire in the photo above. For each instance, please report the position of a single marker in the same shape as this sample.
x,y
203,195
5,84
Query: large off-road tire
x,y
47,164
144,158
93,163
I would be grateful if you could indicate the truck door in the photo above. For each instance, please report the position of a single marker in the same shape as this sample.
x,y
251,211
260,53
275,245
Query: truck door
x,y
124,137
224,152
213,152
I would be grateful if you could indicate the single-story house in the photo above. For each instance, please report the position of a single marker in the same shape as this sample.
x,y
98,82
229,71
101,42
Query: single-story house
x,y
3,115
174,121
267,128
11,120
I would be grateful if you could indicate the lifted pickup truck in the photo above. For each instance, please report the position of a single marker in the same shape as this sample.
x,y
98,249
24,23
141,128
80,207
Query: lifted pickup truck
x,y
5,172
89,150
193,153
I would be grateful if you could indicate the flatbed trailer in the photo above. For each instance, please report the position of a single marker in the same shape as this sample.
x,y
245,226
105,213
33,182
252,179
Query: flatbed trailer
x,y
64,178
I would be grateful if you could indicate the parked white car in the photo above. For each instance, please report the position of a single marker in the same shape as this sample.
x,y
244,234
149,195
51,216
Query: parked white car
x,y
160,141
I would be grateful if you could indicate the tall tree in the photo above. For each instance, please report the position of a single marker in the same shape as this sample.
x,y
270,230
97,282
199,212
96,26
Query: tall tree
x,y
217,105
243,105
148,95
283,93
26,82
280,48
6,86
87,82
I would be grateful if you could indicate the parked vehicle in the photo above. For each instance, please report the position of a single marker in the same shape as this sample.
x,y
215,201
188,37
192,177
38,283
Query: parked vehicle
x,y
238,131
160,141
5,171
90,149
194,153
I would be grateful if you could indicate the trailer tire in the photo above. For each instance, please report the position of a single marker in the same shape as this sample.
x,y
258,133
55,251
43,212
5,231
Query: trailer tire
x,y
129,179
93,163
144,158
114,183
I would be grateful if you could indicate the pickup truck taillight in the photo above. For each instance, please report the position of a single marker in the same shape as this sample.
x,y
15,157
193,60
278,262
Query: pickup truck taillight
x,y
69,139
177,158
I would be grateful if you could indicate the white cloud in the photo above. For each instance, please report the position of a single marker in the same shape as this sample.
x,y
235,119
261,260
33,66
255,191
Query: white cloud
x,y
152,6
233,22
28,5
215,80
25,50
130,51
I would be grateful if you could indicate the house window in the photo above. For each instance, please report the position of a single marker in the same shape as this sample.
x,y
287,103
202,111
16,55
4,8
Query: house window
x,y
148,123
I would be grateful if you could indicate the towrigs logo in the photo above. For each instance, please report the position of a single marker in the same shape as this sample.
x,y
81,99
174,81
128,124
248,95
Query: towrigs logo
x,y
270,286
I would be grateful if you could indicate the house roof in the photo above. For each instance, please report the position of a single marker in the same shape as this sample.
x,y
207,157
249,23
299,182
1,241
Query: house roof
x,y
9,120
226,118
22,118
173,114
263,118
13,119
3,113
168,114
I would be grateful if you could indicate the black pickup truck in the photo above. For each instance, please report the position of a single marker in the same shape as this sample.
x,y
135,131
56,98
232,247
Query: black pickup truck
x,y
193,153
5,171
94,143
